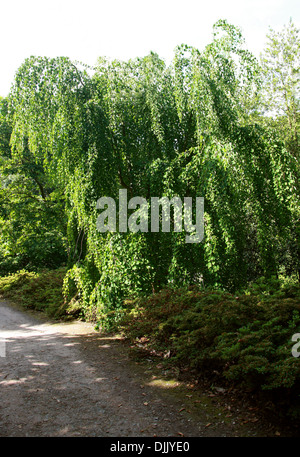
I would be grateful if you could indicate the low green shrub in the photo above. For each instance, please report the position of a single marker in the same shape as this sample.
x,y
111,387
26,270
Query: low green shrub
x,y
245,337
41,291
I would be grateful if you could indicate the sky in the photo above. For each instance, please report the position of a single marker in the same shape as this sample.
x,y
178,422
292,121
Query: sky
x,y
122,29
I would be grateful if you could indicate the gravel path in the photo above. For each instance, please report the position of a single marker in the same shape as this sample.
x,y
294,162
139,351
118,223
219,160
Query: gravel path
x,y
65,379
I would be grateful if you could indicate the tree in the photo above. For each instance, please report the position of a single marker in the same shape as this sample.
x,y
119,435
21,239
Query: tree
x,y
32,208
281,90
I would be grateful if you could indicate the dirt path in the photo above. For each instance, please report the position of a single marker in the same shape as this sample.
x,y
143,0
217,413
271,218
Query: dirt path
x,y
67,380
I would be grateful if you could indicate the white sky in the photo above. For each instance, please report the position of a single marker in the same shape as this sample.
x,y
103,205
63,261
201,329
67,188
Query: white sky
x,y
122,29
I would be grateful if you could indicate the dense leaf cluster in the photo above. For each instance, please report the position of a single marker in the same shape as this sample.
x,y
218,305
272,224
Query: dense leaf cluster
x,y
243,339
187,129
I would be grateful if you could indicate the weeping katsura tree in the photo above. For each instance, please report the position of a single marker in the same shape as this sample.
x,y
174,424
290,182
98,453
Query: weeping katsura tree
x,y
155,130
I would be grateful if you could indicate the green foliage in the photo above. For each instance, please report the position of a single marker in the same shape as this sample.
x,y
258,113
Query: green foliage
x,y
246,338
281,66
185,129
215,123
279,99
32,218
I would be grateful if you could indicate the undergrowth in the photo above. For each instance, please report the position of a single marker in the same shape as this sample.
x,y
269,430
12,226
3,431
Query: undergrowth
x,y
40,291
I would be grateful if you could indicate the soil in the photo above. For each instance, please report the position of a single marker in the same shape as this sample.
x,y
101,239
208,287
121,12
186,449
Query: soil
x,y
61,379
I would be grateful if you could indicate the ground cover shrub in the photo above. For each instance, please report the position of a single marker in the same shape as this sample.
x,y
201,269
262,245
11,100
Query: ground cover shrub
x,y
41,291
245,338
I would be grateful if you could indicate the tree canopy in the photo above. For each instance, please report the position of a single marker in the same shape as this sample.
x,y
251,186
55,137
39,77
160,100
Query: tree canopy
x,y
195,128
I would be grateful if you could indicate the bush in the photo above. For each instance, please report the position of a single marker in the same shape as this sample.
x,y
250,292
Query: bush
x,y
246,337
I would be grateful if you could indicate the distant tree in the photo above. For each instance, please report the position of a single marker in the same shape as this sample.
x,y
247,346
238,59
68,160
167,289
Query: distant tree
x,y
32,222
281,88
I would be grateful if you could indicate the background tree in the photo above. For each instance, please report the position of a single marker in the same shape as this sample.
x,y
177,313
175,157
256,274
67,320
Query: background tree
x,y
280,103
32,208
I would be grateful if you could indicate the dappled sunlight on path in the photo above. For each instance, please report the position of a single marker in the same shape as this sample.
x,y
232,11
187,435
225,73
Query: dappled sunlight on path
x,y
64,380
